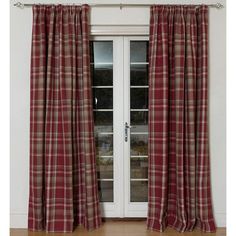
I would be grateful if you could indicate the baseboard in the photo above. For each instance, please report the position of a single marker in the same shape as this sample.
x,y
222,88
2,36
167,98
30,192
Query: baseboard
x,y
19,220
220,219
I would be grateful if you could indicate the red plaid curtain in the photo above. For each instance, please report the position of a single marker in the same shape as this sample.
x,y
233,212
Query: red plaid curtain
x,y
63,186
179,171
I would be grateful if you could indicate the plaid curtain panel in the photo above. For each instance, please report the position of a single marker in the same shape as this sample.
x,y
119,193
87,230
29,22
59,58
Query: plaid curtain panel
x,y
63,185
179,171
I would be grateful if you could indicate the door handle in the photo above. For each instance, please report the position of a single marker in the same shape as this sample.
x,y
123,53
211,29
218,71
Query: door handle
x,y
127,126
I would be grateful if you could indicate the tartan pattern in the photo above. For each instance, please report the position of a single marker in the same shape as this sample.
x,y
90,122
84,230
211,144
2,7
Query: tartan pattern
x,y
63,184
179,171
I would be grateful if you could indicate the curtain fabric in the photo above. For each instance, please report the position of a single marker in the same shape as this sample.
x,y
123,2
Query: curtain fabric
x,y
63,185
179,171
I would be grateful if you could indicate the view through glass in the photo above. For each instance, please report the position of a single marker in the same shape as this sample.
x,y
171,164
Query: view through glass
x,y
139,121
102,77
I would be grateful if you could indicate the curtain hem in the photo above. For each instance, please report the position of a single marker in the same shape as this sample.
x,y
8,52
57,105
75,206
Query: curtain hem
x,y
180,226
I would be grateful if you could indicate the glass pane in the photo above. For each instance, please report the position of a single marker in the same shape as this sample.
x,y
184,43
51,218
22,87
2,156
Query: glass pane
x,y
104,144
103,118
105,189
139,121
139,75
139,145
139,191
102,75
139,117
103,98
138,51
104,168
139,168
139,98
101,52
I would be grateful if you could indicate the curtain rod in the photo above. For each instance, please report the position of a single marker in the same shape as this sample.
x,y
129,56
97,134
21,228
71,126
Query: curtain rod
x,y
120,5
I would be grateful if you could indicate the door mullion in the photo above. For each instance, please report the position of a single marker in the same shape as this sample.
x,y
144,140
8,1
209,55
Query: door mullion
x,y
126,107
118,120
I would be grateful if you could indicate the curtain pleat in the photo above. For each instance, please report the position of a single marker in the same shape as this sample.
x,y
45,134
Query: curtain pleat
x,y
63,184
179,171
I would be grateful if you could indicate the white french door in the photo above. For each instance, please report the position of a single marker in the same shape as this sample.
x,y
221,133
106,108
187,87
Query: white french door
x,y
119,68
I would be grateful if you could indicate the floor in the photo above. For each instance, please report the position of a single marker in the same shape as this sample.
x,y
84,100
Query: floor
x,y
119,228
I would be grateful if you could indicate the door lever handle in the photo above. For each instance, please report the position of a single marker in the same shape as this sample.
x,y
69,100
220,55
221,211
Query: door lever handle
x,y
127,126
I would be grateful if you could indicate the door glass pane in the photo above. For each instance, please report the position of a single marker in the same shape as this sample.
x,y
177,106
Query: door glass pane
x,y
139,117
101,54
105,191
102,98
103,121
139,190
102,74
103,118
104,144
139,167
138,121
138,144
105,168
138,51
138,74
139,98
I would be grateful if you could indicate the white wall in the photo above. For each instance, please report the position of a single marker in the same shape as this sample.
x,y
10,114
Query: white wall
x,y
20,84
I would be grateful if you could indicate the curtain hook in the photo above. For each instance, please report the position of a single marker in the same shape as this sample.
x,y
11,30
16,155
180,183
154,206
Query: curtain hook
x,y
121,6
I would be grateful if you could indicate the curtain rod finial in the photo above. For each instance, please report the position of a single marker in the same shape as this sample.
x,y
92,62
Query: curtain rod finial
x,y
219,5
19,4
